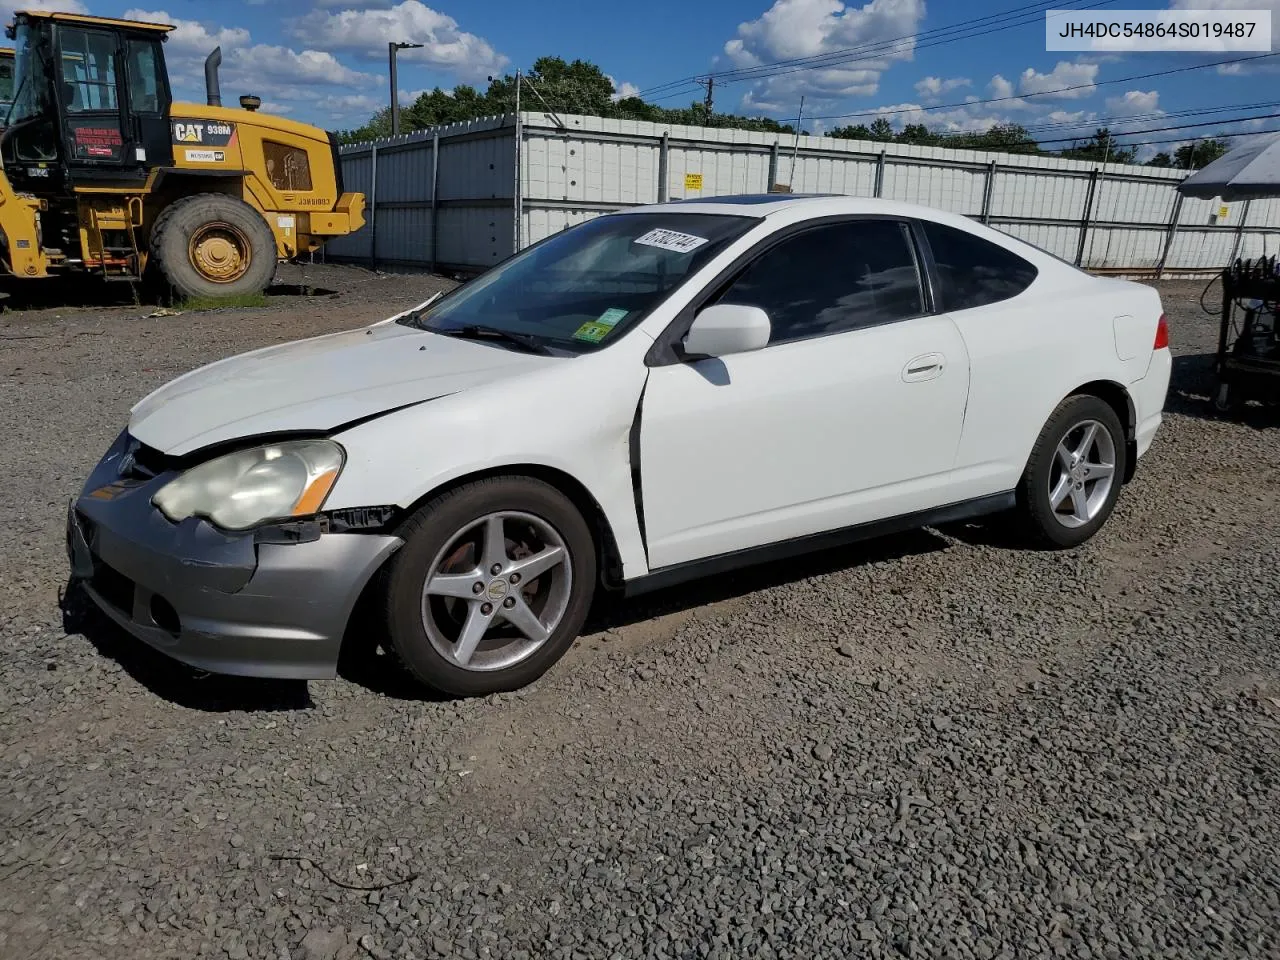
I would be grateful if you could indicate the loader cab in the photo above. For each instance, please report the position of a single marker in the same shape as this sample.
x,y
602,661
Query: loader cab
x,y
90,103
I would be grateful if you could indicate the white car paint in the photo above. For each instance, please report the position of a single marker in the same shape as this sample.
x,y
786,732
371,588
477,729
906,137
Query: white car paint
x,y
743,451
799,438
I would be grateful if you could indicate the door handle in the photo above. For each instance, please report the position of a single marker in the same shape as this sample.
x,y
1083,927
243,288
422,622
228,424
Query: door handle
x,y
925,367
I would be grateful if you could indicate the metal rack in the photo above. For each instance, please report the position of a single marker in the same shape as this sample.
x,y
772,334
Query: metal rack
x,y
1248,359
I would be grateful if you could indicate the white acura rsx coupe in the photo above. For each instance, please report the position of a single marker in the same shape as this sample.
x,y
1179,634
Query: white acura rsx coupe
x,y
646,397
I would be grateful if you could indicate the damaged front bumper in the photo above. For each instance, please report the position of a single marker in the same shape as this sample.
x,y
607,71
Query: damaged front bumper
x,y
270,603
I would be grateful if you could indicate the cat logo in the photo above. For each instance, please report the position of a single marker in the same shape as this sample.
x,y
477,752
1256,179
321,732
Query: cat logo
x,y
188,132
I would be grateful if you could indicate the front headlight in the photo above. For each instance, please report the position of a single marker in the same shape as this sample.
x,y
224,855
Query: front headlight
x,y
248,487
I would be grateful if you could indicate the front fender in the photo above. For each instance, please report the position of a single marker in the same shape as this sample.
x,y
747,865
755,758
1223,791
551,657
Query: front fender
x,y
576,421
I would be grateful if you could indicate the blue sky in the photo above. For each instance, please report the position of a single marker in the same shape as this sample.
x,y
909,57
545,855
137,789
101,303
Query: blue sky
x,y
324,61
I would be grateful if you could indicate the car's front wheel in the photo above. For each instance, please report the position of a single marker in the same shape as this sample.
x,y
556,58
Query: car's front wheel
x,y
491,587
1073,477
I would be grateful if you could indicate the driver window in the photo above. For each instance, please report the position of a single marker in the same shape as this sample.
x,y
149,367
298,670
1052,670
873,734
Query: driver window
x,y
144,77
833,278
88,71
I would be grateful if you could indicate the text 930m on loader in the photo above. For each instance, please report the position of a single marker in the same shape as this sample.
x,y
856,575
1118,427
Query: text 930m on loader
x,y
104,173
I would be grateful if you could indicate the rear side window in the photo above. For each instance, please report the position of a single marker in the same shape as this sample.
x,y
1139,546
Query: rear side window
x,y
974,272
833,278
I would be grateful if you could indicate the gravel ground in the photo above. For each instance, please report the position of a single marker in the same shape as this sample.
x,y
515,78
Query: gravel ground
x,y
937,745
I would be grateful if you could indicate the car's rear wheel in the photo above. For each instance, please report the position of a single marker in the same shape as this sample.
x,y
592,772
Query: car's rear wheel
x,y
491,587
1073,478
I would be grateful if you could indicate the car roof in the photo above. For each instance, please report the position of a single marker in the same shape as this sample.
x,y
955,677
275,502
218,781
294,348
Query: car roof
x,y
798,207
808,204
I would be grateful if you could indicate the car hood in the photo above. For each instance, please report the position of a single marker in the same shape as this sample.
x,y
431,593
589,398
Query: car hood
x,y
317,384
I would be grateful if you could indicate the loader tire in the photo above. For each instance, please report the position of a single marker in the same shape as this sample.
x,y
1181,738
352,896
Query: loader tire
x,y
213,245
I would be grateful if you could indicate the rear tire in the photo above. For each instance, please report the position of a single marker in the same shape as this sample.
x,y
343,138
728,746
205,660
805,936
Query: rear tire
x,y
510,558
1073,477
213,245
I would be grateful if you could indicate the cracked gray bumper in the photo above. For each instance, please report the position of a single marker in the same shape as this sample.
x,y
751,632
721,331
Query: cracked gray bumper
x,y
219,602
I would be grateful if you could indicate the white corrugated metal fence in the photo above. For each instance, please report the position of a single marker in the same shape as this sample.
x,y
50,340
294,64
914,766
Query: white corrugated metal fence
x,y
449,198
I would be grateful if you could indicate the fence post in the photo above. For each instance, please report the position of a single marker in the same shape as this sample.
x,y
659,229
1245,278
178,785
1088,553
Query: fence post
x,y
1168,237
435,205
880,175
1088,213
988,188
517,201
373,207
664,158
773,167
1235,246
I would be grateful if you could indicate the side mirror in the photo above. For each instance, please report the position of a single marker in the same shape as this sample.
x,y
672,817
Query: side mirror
x,y
727,328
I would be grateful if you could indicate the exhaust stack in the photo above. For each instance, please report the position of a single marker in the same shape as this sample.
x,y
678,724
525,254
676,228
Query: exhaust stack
x,y
212,89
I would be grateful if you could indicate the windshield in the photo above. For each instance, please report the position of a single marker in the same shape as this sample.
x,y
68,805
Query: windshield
x,y
30,88
584,287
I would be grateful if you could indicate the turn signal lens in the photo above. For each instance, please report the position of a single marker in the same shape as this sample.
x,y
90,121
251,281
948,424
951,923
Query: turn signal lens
x,y
1162,333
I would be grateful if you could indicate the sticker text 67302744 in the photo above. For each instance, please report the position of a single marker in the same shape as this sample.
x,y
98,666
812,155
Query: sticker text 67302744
x,y
671,240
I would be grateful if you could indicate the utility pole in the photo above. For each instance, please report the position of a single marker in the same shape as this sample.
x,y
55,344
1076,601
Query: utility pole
x,y
392,49
796,152
708,100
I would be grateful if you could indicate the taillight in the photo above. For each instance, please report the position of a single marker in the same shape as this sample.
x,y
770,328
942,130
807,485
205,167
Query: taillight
x,y
1162,334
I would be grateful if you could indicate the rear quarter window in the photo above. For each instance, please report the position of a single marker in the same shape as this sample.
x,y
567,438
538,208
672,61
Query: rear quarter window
x,y
974,272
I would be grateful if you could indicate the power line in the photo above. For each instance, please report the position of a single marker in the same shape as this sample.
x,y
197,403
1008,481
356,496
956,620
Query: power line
x,y
1180,126
1140,118
833,57
1044,93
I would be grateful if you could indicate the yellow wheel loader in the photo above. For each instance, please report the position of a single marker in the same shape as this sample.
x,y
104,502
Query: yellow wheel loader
x,y
104,173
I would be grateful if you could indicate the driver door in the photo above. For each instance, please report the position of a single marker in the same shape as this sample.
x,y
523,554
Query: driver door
x,y
89,86
851,414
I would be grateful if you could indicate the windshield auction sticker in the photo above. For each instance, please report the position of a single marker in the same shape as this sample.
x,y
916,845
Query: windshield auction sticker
x,y
593,331
1162,31
671,240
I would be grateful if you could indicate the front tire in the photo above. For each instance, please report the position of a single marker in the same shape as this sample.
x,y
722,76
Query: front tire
x,y
1073,477
492,586
213,245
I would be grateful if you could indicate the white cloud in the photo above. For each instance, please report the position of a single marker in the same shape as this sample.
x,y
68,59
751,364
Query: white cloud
x,y
1134,103
191,37
805,28
1065,74
622,90
1002,89
295,80
367,32
1068,117
275,65
8,7
936,86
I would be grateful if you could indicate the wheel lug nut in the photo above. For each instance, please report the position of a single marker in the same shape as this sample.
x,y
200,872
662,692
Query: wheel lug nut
x,y
509,602
486,608
515,578
496,569
477,587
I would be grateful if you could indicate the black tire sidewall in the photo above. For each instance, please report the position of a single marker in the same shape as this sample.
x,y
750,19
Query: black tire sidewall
x,y
171,240
1034,495
428,532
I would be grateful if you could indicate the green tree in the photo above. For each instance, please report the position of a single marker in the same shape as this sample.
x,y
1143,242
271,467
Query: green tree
x,y
860,132
1101,147
1161,159
882,130
918,134
1200,153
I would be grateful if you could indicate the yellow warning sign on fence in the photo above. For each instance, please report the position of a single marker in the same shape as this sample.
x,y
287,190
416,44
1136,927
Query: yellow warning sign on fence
x,y
1222,212
693,181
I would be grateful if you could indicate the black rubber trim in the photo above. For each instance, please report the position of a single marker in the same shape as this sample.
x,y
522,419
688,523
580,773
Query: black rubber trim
x,y
696,569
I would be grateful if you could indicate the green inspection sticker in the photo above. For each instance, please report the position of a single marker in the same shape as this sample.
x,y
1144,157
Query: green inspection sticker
x,y
593,331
